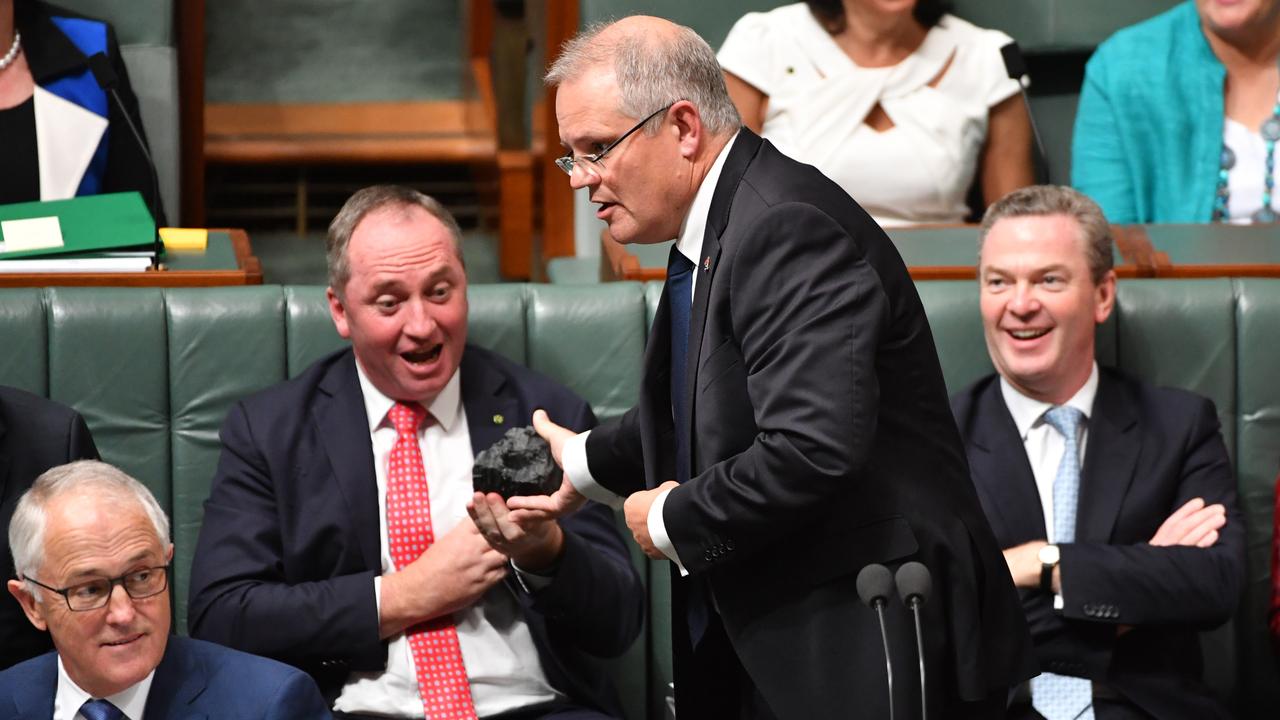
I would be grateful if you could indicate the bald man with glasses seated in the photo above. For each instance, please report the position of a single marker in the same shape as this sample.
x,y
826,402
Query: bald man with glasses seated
x,y
91,548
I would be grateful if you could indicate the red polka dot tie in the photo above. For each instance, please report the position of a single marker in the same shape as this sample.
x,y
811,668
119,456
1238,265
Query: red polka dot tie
x,y
442,677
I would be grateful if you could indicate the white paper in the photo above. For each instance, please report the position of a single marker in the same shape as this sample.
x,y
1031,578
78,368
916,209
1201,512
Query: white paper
x,y
41,233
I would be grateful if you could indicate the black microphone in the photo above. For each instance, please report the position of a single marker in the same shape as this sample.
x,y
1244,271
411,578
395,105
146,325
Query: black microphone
x,y
875,584
102,71
1016,65
914,587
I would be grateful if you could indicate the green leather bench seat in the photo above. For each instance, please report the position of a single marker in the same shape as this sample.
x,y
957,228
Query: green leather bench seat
x,y
154,371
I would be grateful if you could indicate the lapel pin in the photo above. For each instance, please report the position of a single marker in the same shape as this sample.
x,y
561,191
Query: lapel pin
x,y
706,264
497,419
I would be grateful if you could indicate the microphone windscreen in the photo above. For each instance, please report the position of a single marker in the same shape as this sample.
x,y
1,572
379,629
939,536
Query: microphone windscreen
x,y
100,66
1014,63
875,583
914,582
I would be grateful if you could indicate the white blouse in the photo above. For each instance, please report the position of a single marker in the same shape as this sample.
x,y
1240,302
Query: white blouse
x,y
1246,180
918,171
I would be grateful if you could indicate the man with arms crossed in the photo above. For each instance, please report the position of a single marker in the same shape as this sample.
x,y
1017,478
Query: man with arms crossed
x,y
1114,500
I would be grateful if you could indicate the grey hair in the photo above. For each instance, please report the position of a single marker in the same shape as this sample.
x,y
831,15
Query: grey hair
x,y
652,72
1038,200
26,528
359,206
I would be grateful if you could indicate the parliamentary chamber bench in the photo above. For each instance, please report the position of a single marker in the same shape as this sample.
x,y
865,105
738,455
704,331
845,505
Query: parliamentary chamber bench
x,y
154,372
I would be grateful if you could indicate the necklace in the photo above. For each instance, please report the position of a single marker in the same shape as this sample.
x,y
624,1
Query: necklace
x,y
12,55
1270,131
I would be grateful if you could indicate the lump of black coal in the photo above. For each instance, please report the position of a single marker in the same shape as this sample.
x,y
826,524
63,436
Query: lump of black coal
x,y
518,464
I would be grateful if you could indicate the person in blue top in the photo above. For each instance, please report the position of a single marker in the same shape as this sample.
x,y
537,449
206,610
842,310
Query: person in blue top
x,y
1180,114
61,135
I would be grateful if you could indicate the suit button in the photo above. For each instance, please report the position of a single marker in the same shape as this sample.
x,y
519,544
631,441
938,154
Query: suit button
x,y
707,556
729,545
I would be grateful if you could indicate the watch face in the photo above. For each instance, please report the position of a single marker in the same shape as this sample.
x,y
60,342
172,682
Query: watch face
x,y
1049,555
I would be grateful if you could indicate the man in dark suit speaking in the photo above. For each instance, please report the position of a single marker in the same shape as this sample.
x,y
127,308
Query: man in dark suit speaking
x,y
1114,500
92,549
336,536
793,423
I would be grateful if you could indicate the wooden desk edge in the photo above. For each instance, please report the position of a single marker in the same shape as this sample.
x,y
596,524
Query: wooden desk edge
x,y
249,273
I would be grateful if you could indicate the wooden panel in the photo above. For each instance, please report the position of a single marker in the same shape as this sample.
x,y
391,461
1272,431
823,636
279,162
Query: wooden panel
x,y
452,131
557,196
190,22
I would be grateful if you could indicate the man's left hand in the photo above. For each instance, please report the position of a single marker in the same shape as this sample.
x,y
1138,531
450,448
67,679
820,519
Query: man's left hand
x,y
636,509
533,540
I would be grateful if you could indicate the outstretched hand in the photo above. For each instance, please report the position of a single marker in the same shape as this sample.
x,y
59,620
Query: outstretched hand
x,y
564,500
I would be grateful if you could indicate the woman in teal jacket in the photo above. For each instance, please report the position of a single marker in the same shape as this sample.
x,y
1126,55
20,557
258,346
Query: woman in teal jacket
x,y
1179,115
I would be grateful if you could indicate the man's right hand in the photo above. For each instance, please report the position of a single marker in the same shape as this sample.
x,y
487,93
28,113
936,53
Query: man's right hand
x,y
452,574
563,501
1193,524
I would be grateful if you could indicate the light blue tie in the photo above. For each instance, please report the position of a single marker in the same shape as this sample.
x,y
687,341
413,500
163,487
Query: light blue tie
x,y
100,710
1061,697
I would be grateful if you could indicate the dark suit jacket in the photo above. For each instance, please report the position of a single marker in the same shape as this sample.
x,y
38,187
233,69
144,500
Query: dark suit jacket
x,y
194,680
1149,451
289,546
821,441
35,435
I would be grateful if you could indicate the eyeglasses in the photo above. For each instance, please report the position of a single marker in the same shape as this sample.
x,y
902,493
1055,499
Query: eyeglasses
x,y
568,162
93,594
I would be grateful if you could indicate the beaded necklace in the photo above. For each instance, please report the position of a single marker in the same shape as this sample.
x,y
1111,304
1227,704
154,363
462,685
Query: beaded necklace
x,y
7,59
1270,131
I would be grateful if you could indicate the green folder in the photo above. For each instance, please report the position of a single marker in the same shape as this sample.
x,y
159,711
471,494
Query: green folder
x,y
114,222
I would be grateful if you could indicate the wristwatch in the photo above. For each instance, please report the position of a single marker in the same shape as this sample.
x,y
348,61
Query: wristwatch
x,y
1049,557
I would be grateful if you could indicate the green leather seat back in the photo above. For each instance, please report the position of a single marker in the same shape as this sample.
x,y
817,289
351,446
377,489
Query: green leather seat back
x,y
224,344
107,358
1257,324
309,326
591,338
24,354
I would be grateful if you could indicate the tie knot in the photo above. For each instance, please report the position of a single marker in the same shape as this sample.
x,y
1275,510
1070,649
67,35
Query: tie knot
x,y
1065,420
406,417
677,263
100,710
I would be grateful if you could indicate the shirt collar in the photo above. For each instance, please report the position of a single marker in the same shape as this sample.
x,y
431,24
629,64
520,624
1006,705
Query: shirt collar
x,y
695,222
446,408
1028,412
132,701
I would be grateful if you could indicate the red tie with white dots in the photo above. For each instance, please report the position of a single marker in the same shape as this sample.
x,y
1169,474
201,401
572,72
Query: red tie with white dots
x,y
442,677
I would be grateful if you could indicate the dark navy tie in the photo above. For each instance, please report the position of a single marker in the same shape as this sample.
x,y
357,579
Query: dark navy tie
x,y
100,710
680,300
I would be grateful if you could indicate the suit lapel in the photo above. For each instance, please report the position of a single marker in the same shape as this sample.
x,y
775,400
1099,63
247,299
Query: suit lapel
x,y
490,412
180,678
735,166
342,426
1002,472
1110,458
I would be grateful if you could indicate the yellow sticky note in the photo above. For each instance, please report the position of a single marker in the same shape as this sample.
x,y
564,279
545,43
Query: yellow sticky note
x,y
184,238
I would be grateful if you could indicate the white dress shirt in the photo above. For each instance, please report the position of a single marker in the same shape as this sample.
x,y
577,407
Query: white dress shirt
x,y
69,697
1044,444
502,661
574,452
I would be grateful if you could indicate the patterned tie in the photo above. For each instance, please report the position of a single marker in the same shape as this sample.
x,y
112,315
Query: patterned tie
x,y
680,300
442,677
1061,697
100,710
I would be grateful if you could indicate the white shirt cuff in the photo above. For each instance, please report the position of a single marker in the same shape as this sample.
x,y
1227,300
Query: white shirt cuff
x,y
658,531
377,596
573,458
530,581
